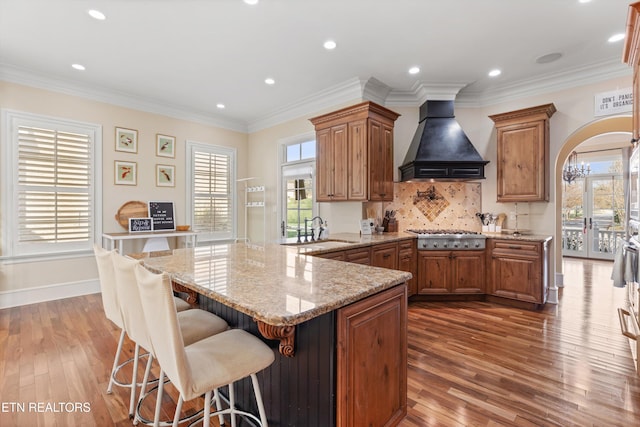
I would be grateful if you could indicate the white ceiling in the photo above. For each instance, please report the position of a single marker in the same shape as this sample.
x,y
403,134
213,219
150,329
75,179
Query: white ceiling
x,y
182,57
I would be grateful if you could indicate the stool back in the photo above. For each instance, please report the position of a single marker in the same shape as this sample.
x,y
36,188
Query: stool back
x,y
107,277
159,310
129,299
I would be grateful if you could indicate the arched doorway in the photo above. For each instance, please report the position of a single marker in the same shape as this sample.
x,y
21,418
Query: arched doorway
x,y
615,124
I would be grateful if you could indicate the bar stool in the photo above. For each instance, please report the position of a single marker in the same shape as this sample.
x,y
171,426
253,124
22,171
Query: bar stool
x,y
106,275
206,365
194,324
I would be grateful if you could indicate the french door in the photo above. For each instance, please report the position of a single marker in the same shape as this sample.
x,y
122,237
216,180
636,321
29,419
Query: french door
x,y
593,216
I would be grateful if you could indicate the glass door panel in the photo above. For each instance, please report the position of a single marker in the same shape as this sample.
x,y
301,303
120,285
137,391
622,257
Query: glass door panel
x,y
299,205
574,225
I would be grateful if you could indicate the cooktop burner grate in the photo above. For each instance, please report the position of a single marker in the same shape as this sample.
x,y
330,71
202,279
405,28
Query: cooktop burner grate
x,y
440,231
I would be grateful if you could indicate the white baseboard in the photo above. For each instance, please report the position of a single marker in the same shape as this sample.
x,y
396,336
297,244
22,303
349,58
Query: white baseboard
x,y
48,293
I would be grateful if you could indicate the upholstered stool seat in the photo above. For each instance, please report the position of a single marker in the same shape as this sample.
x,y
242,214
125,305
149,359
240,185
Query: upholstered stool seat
x,y
196,324
205,365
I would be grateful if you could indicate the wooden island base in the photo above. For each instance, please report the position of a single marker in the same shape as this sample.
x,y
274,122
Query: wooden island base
x,y
349,365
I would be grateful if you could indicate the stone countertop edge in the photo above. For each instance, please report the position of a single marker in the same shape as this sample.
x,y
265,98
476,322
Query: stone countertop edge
x,y
283,276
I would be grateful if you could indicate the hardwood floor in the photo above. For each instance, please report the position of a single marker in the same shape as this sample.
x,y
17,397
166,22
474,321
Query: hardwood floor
x,y
470,363
480,364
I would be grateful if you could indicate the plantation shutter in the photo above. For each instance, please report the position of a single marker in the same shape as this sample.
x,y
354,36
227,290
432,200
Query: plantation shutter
x,y
212,194
54,197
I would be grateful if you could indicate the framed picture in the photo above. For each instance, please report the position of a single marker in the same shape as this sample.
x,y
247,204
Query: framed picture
x,y
165,176
126,173
127,140
165,146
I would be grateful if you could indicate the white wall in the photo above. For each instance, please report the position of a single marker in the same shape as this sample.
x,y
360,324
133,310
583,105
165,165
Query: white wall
x,y
26,275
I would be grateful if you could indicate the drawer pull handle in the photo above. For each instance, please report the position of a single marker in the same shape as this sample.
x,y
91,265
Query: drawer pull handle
x,y
515,247
622,313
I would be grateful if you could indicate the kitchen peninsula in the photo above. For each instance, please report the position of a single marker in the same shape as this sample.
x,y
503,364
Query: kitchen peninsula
x,y
339,330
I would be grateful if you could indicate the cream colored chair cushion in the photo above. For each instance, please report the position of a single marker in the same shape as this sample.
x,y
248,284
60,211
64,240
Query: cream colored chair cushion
x,y
107,278
196,326
181,305
205,365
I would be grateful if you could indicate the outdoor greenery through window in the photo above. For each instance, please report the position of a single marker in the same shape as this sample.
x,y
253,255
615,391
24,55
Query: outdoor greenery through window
x,y
211,192
50,197
297,172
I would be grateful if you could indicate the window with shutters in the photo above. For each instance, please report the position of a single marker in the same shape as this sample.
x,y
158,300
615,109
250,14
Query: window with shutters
x,y
211,201
51,185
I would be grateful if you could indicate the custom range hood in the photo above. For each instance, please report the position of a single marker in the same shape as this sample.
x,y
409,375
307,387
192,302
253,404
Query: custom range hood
x,y
440,150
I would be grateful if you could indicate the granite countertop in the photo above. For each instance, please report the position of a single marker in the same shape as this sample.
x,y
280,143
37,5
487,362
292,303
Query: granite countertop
x,y
276,284
521,237
344,241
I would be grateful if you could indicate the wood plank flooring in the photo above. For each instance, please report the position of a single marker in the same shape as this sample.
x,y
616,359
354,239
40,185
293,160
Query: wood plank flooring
x,y
470,363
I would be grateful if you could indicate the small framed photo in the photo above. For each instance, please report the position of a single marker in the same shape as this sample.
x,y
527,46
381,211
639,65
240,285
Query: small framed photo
x,y
165,176
165,146
127,140
126,173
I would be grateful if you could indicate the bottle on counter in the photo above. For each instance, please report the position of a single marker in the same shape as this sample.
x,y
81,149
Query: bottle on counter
x,y
325,231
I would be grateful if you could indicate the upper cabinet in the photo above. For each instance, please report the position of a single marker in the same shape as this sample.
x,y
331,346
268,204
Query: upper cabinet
x,y
631,56
523,154
354,157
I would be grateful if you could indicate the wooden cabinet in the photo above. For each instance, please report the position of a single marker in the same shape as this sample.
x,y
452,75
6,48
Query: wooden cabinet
x,y
631,56
407,262
354,154
519,270
358,255
523,154
372,360
445,272
385,255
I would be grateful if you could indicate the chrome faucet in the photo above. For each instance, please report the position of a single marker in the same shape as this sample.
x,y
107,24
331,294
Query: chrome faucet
x,y
320,227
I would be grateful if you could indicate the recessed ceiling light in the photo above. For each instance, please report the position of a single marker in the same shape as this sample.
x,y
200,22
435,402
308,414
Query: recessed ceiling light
x,y
329,45
220,106
550,57
616,38
269,81
494,73
251,2
584,1
414,70
96,14
79,67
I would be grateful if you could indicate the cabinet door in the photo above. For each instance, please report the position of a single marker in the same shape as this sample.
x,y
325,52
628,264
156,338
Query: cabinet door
x,y
407,262
468,272
522,162
380,161
357,160
372,360
324,165
516,277
385,256
434,272
339,137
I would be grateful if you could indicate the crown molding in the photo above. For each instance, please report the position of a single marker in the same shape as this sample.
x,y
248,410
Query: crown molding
x,y
554,82
102,94
347,91
355,89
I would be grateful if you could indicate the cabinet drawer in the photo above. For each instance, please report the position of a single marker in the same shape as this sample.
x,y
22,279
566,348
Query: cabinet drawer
x,y
358,256
516,247
406,245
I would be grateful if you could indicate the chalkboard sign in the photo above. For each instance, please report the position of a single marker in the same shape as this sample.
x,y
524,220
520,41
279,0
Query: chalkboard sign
x,y
137,225
163,215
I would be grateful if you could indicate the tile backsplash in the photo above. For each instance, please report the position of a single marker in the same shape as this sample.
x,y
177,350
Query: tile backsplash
x,y
433,205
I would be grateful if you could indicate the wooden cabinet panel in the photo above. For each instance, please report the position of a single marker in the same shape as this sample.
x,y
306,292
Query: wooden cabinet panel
x,y
331,164
381,161
337,255
358,161
372,360
358,256
519,270
385,255
444,272
468,272
407,262
631,56
361,137
434,272
523,154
